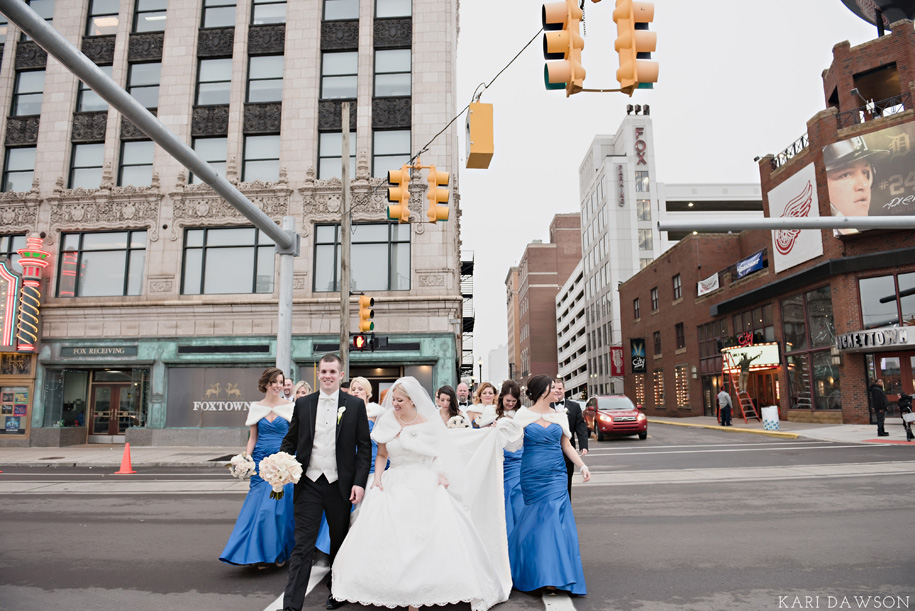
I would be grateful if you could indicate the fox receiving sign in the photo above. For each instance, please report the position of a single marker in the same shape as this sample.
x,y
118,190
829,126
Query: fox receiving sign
x,y
873,174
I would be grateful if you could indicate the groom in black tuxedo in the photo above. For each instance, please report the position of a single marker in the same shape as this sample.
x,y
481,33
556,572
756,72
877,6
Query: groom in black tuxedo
x,y
329,434
576,424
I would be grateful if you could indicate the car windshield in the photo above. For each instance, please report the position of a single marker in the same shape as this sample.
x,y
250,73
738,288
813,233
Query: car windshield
x,y
614,403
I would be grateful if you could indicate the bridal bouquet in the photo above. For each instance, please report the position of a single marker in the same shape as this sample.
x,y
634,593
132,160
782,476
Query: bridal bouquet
x,y
278,470
457,422
241,466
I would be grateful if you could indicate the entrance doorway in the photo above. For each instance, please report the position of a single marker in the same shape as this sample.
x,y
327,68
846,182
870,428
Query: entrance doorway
x,y
114,407
897,370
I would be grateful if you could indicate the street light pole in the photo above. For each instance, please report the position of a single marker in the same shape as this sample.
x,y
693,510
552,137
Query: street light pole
x,y
480,364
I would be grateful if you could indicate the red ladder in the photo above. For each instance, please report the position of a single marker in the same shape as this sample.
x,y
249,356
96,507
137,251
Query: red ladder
x,y
747,409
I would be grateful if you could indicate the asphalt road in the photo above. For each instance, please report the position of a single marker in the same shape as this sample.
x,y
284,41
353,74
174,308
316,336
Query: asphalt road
x,y
805,519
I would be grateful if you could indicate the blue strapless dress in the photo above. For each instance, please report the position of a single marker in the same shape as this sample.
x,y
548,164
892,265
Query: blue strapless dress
x,y
543,547
514,499
323,541
265,528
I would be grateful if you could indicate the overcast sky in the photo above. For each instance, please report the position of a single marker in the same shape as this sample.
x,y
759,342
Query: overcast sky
x,y
737,79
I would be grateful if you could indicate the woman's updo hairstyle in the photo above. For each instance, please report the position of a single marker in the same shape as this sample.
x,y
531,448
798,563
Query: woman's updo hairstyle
x,y
268,376
537,387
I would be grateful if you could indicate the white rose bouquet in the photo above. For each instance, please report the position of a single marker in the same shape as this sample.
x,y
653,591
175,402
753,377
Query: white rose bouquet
x,y
241,466
457,422
278,470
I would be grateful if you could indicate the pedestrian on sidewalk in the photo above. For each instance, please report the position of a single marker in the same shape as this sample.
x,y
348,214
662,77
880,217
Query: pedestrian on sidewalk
x,y
879,403
724,406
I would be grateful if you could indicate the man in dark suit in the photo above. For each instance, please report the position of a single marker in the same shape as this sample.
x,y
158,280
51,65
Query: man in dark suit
x,y
329,434
576,424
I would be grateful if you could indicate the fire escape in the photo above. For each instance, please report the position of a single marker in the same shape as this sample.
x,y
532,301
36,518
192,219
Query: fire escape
x,y
467,315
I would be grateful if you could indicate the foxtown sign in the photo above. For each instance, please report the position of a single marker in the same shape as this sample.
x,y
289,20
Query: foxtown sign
x,y
876,339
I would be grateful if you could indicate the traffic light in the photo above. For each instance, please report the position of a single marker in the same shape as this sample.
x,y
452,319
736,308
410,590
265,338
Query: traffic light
x,y
562,41
399,193
479,136
366,313
360,342
634,43
437,195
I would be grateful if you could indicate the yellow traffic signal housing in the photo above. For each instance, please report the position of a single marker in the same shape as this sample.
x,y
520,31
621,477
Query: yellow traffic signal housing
x,y
437,195
635,43
399,193
366,313
480,139
562,41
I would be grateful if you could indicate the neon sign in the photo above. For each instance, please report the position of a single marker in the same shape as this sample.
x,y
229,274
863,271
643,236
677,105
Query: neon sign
x,y
33,260
9,291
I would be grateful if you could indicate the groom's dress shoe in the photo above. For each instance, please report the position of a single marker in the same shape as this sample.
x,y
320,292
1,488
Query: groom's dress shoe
x,y
333,603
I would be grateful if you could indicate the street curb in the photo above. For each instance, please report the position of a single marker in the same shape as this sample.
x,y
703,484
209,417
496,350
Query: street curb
x,y
729,429
81,465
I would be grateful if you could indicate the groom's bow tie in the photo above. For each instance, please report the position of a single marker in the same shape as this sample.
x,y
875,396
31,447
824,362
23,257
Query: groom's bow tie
x,y
559,404
327,398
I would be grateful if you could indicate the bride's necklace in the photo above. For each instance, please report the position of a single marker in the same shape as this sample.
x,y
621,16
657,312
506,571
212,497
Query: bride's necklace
x,y
404,422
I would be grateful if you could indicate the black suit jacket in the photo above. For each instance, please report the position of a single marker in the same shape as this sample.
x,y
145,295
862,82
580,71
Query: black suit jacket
x,y
576,425
353,444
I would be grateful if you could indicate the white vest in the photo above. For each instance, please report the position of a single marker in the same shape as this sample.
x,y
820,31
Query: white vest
x,y
324,449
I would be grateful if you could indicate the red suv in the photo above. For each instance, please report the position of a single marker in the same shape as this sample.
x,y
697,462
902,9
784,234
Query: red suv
x,y
615,415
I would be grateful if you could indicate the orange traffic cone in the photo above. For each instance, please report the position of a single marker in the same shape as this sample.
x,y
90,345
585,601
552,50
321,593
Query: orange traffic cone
x,y
125,469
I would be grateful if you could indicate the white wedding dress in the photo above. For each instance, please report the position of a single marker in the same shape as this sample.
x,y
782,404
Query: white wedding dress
x,y
416,542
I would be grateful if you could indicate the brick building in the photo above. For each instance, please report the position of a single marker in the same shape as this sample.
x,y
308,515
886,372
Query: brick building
x,y
821,313
543,269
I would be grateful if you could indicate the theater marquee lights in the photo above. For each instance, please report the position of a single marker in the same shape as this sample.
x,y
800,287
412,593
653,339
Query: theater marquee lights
x,y
33,260
9,293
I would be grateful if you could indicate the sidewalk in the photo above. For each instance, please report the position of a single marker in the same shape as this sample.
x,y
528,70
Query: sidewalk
x,y
838,433
109,456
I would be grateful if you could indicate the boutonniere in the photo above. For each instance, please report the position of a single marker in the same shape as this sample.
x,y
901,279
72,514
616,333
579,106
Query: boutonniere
x,y
566,410
340,414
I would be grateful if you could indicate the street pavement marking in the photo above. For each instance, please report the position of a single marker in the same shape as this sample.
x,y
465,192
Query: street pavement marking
x,y
596,449
741,449
318,572
560,601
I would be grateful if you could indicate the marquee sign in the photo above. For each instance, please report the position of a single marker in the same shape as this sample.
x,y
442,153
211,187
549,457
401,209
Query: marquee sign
x,y
755,356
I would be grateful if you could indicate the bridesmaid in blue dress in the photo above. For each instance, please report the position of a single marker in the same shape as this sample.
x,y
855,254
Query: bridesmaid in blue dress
x,y
543,547
362,388
509,400
264,530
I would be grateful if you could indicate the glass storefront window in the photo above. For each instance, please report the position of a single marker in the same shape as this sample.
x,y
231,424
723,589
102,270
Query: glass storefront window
x,y
878,301
907,297
794,323
66,393
819,318
826,382
798,382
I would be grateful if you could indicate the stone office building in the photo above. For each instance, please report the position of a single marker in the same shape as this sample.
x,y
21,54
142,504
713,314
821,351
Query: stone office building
x,y
159,303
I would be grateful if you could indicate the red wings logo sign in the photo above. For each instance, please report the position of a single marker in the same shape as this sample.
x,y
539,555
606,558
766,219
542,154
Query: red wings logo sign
x,y
799,207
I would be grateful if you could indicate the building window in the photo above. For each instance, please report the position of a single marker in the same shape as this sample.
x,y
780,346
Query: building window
x,y
136,166
657,381
636,309
338,75
4,29
268,11
339,10
646,242
86,164
391,150
644,262
265,79
380,257
757,322
214,82
639,389
222,261
681,381
143,83
712,337
641,182
19,169
214,152
103,18
9,249
681,335
101,264
392,73
218,14
657,342
261,159
330,155
393,8
28,93
643,206
89,101
45,10
887,300
150,16
654,299
678,287
809,334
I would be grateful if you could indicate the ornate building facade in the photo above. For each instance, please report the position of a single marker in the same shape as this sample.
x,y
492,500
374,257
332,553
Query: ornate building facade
x,y
160,301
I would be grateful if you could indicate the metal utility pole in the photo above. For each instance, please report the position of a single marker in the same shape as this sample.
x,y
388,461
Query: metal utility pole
x,y
286,240
788,223
345,240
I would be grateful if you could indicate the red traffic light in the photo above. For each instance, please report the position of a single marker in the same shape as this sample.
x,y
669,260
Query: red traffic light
x,y
360,342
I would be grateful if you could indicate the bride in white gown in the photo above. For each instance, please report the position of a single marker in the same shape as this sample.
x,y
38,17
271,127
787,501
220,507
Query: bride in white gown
x,y
439,505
